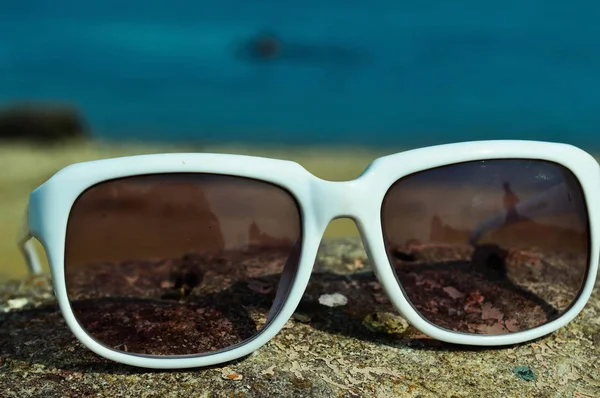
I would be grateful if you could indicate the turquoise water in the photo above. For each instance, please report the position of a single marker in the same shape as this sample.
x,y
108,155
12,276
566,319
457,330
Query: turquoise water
x,y
377,72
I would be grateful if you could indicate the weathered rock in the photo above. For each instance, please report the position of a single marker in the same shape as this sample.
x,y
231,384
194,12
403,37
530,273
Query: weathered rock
x,y
41,123
323,352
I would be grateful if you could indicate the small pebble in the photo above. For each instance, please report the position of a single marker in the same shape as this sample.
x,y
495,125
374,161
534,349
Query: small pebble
x,y
385,322
302,318
227,374
525,373
15,304
269,371
333,300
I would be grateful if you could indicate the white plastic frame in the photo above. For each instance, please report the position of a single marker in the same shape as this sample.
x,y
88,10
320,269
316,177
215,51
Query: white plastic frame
x,y
321,201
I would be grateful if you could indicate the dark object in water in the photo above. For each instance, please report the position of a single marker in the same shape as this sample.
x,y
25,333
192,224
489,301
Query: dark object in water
x,y
40,123
267,46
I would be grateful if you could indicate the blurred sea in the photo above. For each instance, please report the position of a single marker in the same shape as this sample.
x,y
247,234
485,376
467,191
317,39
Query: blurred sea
x,y
378,72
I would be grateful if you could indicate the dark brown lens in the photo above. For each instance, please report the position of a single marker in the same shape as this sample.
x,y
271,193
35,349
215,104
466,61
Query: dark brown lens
x,y
488,247
178,264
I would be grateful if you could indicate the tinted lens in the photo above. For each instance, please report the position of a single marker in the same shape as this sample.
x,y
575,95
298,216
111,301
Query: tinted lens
x,y
488,247
176,264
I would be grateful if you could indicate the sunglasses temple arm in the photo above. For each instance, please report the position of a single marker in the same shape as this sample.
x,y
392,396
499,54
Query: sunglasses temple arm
x,y
27,247
554,201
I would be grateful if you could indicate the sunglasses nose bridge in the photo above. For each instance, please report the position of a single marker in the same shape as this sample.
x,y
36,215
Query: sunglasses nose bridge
x,y
338,199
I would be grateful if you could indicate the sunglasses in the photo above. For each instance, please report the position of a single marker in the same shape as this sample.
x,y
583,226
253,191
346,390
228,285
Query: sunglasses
x,y
188,260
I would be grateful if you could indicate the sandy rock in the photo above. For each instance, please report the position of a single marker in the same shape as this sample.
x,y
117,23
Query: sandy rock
x,y
331,354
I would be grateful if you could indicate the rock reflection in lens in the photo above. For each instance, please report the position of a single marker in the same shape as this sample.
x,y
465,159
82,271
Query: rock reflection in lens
x,y
178,264
489,247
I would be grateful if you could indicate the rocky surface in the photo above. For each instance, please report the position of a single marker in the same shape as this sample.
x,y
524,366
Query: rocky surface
x,y
358,348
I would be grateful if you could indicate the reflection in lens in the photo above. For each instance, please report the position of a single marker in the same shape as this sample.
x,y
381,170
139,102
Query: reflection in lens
x,y
178,264
488,247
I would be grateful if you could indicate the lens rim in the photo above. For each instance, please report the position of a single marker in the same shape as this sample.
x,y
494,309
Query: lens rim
x,y
273,315
589,231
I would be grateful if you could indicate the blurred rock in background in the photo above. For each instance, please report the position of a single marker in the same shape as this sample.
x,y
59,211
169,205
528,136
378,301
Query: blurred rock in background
x,y
43,123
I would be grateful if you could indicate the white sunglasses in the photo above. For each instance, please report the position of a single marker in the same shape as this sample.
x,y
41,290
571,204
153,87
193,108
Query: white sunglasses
x,y
189,260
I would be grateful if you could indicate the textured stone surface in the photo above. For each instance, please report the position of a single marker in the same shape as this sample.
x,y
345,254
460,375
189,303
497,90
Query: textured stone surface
x,y
355,350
